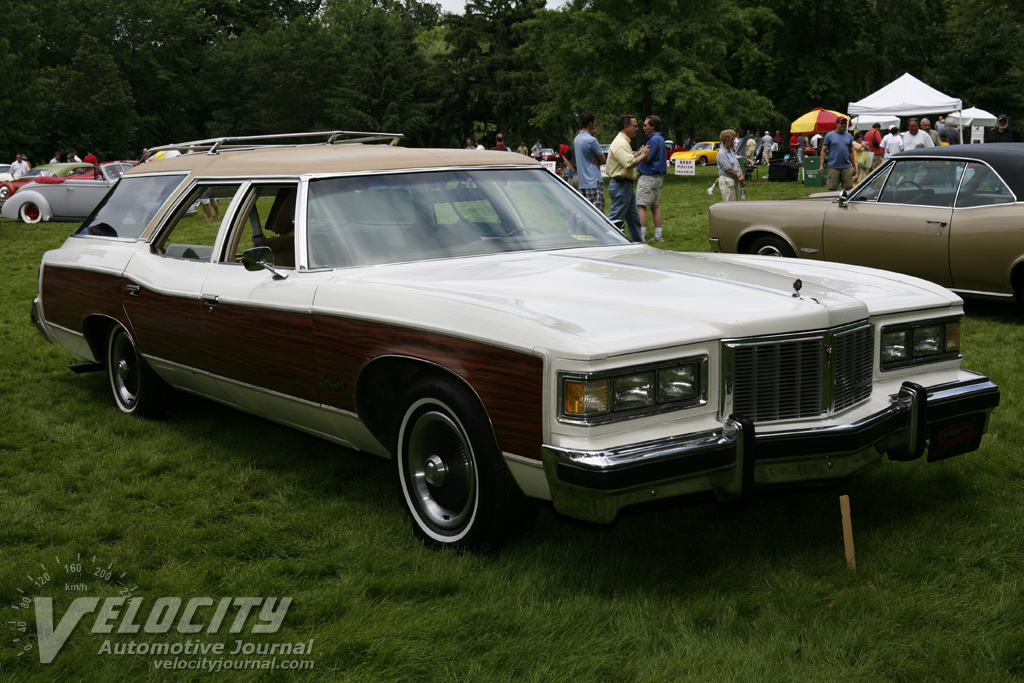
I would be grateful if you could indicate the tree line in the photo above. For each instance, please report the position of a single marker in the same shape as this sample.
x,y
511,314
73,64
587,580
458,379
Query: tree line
x,y
114,78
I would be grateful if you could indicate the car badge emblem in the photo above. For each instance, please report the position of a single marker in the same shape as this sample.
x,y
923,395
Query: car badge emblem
x,y
797,286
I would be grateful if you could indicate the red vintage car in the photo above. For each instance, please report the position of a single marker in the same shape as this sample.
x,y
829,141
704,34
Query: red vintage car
x,y
78,170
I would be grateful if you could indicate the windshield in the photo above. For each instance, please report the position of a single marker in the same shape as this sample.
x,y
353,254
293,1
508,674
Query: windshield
x,y
130,205
367,220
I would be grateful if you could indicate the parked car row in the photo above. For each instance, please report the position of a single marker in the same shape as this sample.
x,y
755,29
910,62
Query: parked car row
x,y
471,317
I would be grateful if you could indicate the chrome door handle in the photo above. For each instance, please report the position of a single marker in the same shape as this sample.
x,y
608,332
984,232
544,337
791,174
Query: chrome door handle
x,y
133,290
941,224
210,301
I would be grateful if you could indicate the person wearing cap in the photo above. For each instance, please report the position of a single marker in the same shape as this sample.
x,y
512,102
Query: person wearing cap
x,y
766,147
1003,132
837,149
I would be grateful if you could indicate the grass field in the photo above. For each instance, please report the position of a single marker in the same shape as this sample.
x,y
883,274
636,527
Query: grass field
x,y
214,503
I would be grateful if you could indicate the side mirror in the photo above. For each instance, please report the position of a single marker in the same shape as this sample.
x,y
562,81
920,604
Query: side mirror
x,y
260,258
844,199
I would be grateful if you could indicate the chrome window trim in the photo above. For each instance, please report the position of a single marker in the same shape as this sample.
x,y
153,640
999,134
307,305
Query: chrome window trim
x,y
892,161
657,409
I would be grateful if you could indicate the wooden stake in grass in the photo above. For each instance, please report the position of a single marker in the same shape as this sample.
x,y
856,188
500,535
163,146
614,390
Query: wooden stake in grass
x,y
844,507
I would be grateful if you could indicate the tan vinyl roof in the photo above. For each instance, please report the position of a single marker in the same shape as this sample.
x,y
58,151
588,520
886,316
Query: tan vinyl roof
x,y
338,158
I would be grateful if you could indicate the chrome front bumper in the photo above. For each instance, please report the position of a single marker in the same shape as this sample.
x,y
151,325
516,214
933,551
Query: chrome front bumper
x,y
37,319
736,460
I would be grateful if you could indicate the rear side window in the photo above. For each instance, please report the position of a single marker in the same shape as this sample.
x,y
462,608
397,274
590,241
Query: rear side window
x,y
130,206
982,187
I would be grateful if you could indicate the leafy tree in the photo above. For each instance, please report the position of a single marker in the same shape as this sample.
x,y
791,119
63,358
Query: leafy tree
x,y
81,98
271,80
493,81
668,57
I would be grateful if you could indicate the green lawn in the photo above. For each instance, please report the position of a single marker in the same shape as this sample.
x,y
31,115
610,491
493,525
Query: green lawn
x,y
214,503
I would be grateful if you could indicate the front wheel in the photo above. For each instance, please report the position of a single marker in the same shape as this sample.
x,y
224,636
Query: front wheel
x,y
703,161
30,212
4,192
136,388
450,473
770,245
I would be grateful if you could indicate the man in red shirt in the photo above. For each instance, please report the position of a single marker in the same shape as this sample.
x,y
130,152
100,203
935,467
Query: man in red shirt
x,y
873,140
90,158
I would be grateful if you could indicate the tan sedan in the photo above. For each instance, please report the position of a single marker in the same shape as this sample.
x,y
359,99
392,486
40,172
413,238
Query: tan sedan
x,y
946,214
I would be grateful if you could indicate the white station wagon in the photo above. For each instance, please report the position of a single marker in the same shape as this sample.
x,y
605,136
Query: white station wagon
x,y
470,316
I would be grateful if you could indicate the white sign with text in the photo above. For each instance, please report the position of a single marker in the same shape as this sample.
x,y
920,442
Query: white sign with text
x,y
686,167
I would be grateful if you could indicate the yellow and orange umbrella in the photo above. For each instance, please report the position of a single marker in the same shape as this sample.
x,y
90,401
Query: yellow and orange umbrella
x,y
817,121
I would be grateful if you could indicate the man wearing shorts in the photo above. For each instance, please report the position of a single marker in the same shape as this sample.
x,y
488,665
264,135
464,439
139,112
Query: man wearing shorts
x,y
652,175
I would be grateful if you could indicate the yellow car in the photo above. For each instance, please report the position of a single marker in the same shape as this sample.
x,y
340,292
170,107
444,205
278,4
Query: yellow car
x,y
704,152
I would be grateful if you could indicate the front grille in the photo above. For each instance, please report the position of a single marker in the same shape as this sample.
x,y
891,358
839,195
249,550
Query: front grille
x,y
802,376
854,356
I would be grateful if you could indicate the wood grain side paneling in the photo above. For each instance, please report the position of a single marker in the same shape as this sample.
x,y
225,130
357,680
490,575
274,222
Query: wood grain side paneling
x,y
509,383
264,347
70,295
166,327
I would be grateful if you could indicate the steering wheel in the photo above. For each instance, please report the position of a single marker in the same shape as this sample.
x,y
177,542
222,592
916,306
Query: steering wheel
x,y
908,183
516,232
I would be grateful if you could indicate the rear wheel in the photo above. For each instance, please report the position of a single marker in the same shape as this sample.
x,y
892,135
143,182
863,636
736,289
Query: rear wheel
x,y
137,390
450,473
30,212
770,245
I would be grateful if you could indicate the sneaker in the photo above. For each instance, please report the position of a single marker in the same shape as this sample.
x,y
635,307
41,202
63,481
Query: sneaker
x,y
656,238
711,190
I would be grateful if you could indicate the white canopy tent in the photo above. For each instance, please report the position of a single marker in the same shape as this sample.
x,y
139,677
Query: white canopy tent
x,y
865,122
971,117
905,96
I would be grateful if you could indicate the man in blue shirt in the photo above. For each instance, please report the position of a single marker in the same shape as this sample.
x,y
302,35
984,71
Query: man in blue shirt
x,y
589,156
837,149
652,176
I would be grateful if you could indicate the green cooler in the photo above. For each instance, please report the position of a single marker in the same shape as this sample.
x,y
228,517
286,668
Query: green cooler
x,y
813,176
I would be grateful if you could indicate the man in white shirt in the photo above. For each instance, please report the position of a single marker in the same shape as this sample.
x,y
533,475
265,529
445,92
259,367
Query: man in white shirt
x,y
915,137
893,142
20,167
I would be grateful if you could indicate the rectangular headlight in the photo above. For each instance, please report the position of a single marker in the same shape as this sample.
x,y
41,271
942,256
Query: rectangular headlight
x,y
634,392
894,347
920,342
680,383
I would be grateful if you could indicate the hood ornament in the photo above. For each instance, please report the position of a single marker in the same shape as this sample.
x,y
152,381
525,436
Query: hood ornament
x,y
797,286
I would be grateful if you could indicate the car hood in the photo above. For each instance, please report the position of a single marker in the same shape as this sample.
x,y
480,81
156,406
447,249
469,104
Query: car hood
x,y
617,300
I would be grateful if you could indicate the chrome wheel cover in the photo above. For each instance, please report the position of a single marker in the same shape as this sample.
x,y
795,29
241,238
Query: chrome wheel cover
x,y
124,371
440,470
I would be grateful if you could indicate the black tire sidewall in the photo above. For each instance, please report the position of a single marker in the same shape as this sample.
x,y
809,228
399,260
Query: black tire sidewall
x,y
777,242
498,504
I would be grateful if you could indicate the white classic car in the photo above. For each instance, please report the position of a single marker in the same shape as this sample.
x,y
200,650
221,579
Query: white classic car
x,y
57,198
473,318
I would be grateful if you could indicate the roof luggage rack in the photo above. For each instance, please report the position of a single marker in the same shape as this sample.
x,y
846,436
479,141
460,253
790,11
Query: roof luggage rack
x,y
248,142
